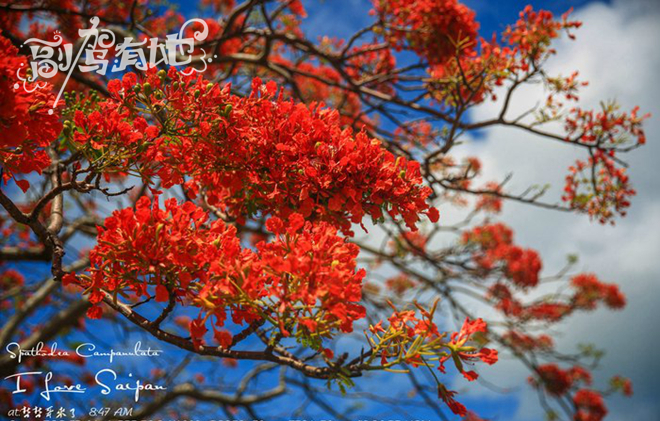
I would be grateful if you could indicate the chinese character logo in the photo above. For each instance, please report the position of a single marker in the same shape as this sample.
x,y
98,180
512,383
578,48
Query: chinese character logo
x,y
92,53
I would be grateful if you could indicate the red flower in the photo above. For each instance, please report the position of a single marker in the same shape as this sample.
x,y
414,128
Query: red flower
x,y
197,331
448,397
527,342
308,272
534,31
622,384
461,352
555,380
10,279
430,28
328,353
495,246
590,290
223,338
94,312
162,294
28,121
275,225
590,405
433,215
550,312
599,186
400,284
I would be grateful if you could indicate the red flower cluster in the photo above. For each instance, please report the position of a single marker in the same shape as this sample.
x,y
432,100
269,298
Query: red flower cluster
x,y
547,311
315,83
525,342
260,153
10,279
448,398
589,291
434,29
600,186
490,202
534,31
471,77
370,62
221,6
494,245
400,284
409,242
409,339
462,353
224,6
557,381
166,248
310,265
622,384
25,118
305,279
113,129
602,196
417,134
410,325
68,16
609,127
590,405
